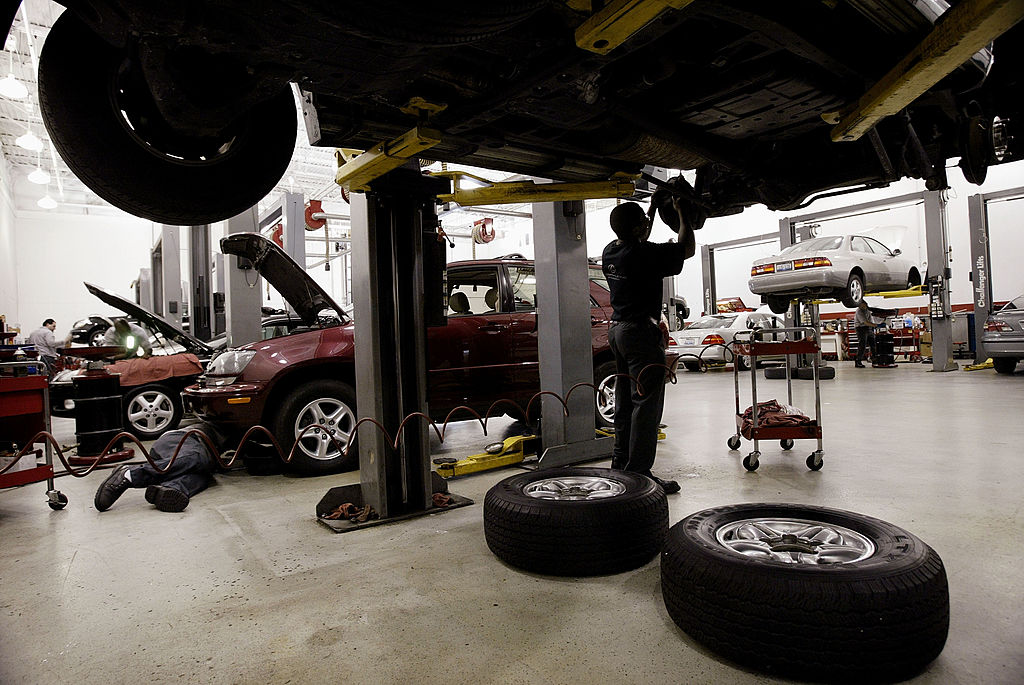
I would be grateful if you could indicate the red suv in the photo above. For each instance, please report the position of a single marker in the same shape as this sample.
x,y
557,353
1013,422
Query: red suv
x,y
487,351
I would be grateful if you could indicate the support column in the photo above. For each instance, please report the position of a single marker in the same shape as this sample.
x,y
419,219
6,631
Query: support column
x,y
166,264
242,287
200,301
388,227
294,218
563,331
981,277
707,265
939,275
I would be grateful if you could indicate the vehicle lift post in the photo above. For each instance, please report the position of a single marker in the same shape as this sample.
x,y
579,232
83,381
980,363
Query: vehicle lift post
x,y
394,240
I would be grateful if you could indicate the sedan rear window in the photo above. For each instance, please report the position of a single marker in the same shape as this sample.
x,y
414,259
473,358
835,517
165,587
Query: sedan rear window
x,y
816,244
1015,303
712,322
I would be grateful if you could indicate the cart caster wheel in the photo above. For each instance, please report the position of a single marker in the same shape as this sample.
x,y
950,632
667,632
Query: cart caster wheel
x,y
750,462
58,501
787,443
815,462
734,442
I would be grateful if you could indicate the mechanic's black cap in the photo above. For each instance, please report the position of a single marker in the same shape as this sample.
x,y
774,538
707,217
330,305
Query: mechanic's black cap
x,y
625,219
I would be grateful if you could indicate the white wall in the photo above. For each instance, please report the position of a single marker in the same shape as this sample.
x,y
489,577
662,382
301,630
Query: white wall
x,y
55,253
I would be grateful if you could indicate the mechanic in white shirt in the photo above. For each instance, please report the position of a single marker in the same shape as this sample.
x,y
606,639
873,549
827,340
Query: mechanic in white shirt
x,y
46,346
134,339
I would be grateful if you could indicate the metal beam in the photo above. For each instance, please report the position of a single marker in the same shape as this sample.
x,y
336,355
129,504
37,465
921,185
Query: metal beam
x,y
357,173
981,275
241,287
940,309
618,20
963,30
519,192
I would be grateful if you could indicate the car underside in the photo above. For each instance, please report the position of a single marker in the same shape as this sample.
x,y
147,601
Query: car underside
x,y
735,89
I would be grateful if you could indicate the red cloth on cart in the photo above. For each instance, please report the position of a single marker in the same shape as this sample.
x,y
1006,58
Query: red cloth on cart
x,y
772,414
138,371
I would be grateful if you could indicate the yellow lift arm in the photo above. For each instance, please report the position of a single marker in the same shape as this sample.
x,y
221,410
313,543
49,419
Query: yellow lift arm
x,y
517,192
614,23
963,30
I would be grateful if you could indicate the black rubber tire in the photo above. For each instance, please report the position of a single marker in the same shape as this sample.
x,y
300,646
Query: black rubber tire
x,y
775,372
733,442
576,538
329,391
62,501
883,618
813,464
806,373
95,336
742,361
750,465
78,101
161,398
778,305
692,366
849,295
602,372
786,443
1006,365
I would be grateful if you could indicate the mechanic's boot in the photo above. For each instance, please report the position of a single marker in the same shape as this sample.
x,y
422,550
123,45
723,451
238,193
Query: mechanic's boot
x,y
670,487
112,488
166,499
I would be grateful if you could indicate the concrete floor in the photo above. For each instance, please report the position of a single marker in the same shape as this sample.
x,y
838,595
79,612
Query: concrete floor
x,y
245,586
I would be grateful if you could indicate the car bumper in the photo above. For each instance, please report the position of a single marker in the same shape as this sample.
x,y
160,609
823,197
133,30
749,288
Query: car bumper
x,y
1003,347
236,406
796,281
707,353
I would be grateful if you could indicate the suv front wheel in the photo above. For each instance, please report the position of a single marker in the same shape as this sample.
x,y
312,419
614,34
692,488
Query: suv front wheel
x,y
329,407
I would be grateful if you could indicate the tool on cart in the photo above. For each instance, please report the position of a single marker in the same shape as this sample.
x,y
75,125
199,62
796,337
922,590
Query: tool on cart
x,y
799,340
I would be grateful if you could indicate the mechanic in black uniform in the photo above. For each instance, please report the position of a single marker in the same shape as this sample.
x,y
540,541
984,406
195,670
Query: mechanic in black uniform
x,y
635,268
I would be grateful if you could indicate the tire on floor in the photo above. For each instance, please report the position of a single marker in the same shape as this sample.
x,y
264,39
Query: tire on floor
x,y
576,521
807,592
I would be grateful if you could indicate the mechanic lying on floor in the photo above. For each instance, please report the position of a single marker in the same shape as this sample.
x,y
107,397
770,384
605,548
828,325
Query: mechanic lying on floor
x,y
191,473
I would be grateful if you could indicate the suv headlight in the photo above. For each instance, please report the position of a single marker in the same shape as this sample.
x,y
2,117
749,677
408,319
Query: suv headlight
x,y
229,363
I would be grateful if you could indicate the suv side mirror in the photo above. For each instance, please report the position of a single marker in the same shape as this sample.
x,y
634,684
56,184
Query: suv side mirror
x,y
897,252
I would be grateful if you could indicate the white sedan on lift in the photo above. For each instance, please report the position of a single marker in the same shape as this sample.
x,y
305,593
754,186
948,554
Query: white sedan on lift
x,y
844,267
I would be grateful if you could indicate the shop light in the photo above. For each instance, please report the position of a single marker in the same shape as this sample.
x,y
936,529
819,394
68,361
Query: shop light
x,y
30,141
47,202
39,176
11,87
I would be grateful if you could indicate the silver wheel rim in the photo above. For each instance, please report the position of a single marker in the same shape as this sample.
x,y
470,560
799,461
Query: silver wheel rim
x,y
96,339
606,399
151,411
856,291
575,488
794,541
333,419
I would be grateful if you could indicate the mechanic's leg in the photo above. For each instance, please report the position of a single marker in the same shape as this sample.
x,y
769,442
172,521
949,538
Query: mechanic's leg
x,y
191,457
623,400
646,363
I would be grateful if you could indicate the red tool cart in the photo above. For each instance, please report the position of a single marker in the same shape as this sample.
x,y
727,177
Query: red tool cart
x,y
24,412
798,340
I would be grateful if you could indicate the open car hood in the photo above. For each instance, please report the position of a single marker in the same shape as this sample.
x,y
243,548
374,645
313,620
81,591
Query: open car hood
x,y
300,291
151,321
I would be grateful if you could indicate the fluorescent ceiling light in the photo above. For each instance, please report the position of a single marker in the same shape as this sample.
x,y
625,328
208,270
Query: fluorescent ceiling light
x,y
47,202
29,141
11,87
39,176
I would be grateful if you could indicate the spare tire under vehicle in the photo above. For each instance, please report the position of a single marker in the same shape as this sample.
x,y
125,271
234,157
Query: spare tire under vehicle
x,y
807,592
576,521
104,123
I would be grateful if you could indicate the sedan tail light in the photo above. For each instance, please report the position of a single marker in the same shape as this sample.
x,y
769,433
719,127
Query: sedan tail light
x,y
762,269
997,326
811,262
713,340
